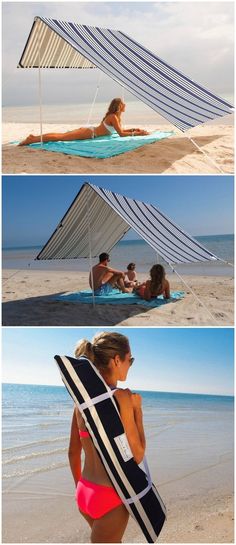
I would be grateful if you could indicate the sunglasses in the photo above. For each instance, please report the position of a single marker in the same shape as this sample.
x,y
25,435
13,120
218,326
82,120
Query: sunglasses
x,y
131,360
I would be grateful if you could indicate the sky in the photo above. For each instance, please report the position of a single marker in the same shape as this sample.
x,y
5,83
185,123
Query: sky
x,y
34,205
191,360
195,37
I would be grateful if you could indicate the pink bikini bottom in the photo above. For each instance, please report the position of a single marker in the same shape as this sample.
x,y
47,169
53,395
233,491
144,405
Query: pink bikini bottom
x,y
96,500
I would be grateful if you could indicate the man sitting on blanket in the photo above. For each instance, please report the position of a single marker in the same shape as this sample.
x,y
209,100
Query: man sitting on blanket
x,y
105,278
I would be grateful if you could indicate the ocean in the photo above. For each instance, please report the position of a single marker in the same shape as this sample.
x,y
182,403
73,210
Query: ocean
x,y
136,112
137,251
185,432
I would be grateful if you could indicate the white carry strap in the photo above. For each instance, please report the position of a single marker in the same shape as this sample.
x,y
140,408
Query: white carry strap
x,y
148,487
95,400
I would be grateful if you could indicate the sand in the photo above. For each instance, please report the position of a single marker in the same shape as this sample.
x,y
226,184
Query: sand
x,y
193,517
28,299
175,155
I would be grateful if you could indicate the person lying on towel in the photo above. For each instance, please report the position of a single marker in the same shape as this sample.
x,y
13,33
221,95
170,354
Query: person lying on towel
x,y
105,279
156,285
110,124
131,280
97,499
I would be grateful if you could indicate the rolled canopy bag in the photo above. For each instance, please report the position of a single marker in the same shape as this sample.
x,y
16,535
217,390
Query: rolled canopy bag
x,y
99,409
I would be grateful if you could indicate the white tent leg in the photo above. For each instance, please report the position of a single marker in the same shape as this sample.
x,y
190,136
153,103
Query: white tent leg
x,y
95,97
194,294
90,248
206,155
40,92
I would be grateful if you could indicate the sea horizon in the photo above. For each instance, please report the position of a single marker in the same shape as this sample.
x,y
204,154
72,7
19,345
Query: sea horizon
x,y
231,396
135,250
131,240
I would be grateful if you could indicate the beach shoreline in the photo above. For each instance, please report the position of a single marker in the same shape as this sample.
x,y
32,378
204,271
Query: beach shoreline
x,y
174,155
200,518
29,299
189,451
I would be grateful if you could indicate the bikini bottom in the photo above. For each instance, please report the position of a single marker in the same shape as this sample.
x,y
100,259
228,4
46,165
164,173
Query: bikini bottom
x,y
96,500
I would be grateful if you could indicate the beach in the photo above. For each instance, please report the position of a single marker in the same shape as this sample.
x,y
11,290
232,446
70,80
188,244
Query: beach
x,y
29,299
174,155
31,288
189,451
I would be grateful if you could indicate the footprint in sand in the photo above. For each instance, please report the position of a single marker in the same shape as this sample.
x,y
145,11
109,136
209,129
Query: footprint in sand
x,y
199,527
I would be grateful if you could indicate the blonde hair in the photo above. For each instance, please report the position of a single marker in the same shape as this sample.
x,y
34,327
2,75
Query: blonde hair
x,y
113,107
104,346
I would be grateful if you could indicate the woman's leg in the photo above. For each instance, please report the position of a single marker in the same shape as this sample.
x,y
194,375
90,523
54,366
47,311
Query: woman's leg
x,y
78,134
111,527
87,518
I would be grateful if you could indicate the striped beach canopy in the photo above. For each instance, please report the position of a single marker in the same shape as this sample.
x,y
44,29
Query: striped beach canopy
x,y
176,97
97,219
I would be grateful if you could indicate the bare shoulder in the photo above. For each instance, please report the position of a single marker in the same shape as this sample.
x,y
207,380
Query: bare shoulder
x,y
111,117
123,397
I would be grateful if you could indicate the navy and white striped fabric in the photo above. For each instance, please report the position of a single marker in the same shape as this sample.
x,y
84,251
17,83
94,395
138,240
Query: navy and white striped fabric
x,y
100,413
59,44
109,217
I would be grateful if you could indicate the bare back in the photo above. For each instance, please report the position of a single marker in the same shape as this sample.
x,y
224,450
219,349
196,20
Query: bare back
x,y
93,469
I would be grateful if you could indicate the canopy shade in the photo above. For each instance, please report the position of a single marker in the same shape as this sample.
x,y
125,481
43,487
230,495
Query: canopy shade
x,y
97,219
59,44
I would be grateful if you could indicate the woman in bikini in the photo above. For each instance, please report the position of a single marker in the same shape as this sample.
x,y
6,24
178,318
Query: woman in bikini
x,y
110,124
157,285
97,500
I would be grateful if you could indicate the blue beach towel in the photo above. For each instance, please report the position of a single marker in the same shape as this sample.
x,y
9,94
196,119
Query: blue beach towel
x,y
118,298
103,146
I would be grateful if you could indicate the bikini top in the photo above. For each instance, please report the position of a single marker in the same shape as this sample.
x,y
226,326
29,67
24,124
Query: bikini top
x,y
84,433
109,128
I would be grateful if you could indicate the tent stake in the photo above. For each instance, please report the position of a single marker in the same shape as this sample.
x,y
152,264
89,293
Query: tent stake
x,y
90,248
206,155
194,294
40,92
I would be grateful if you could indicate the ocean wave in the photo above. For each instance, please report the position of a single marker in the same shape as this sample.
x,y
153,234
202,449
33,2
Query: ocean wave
x,y
34,455
29,472
38,443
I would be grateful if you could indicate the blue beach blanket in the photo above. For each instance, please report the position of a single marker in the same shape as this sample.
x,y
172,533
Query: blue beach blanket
x,y
103,146
118,298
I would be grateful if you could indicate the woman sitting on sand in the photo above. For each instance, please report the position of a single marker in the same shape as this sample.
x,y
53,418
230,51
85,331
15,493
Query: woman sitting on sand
x,y
110,124
157,285
97,500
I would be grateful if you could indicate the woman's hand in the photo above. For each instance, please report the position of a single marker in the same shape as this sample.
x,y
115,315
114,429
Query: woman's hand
x,y
136,401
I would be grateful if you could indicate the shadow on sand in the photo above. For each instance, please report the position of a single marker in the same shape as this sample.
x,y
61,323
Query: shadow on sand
x,y
45,311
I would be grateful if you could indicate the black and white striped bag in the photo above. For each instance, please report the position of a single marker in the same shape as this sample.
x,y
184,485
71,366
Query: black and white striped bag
x,y
95,401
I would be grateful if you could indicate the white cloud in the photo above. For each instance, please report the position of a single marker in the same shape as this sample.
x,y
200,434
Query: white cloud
x,y
196,37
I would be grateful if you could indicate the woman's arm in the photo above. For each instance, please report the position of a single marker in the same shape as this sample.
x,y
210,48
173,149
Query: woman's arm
x,y
132,425
125,132
75,447
138,417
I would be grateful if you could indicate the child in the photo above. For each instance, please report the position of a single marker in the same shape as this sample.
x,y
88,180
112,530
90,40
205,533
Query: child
x,y
131,276
157,285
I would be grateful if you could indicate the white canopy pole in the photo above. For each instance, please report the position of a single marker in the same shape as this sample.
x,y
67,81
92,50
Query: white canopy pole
x,y
95,97
194,294
90,247
206,155
40,88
